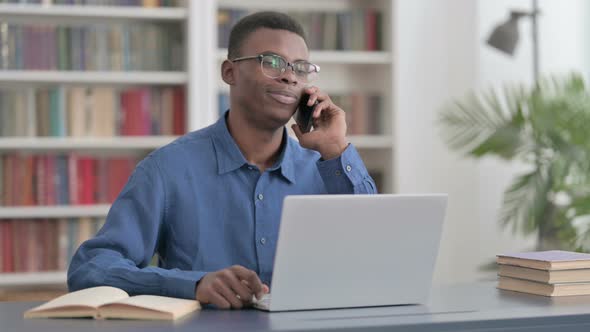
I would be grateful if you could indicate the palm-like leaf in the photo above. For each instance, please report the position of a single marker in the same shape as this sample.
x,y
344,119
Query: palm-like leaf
x,y
524,201
485,125
547,127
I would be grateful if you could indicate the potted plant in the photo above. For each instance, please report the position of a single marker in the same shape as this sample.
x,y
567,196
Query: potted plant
x,y
546,127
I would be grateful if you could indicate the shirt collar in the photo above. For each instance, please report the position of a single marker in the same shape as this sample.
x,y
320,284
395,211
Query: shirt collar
x,y
229,157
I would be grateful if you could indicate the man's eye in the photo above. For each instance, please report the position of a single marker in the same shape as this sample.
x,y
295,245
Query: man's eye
x,y
302,68
272,62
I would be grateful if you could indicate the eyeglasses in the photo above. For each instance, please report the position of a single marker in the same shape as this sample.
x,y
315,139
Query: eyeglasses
x,y
274,66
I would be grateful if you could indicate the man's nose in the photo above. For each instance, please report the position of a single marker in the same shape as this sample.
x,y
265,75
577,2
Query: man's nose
x,y
289,76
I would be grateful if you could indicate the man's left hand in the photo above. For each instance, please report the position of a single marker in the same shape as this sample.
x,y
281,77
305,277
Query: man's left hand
x,y
328,136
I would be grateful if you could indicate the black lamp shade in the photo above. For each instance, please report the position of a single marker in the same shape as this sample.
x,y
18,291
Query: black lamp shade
x,y
505,36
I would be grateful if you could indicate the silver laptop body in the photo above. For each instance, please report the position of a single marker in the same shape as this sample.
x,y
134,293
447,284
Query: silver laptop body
x,y
342,251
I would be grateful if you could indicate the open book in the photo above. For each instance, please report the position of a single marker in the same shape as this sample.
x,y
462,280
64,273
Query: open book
x,y
110,302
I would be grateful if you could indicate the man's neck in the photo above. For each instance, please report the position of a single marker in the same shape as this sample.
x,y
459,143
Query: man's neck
x,y
260,147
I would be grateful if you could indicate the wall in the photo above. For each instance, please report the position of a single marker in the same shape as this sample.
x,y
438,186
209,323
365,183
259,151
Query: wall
x,y
435,59
441,54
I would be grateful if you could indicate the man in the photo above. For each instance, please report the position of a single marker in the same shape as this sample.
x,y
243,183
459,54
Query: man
x,y
209,204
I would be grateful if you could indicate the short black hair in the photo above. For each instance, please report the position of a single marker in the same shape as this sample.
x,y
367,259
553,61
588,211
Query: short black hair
x,y
252,22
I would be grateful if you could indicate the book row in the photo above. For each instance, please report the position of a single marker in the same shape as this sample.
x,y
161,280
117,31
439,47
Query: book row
x,y
42,244
92,47
47,180
97,111
356,29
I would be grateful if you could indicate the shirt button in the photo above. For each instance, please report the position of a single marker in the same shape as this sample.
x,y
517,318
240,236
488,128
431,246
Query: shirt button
x,y
260,196
338,173
348,168
263,240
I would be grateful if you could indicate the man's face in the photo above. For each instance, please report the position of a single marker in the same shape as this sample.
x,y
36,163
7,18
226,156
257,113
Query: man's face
x,y
269,102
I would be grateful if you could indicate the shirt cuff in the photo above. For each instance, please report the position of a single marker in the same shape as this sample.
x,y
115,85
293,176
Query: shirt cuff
x,y
343,173
183,285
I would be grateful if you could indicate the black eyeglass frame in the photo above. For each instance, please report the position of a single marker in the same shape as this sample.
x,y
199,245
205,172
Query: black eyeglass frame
x,y
283,70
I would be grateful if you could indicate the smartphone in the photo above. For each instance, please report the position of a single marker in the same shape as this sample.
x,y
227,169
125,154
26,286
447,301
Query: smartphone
x,y
303,116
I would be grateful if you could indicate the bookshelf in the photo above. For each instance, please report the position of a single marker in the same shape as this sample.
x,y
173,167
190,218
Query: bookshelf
x,y
343,72
117,146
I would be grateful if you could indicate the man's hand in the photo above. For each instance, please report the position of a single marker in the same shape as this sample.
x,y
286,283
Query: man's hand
x,y
328,136
230,288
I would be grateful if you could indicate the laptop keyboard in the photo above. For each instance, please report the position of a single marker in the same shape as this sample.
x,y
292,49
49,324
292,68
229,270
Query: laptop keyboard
x,y
263,303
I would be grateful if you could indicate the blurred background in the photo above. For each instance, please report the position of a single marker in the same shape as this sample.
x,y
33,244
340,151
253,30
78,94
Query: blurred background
x,y
433,103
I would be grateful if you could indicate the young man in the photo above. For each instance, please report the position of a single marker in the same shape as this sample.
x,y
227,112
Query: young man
x,y
210,203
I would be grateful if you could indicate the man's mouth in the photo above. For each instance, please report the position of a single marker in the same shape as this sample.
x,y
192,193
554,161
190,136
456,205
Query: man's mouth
x,y
283,97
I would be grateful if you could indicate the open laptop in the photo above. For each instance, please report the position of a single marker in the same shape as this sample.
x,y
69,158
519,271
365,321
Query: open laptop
x,y
343,251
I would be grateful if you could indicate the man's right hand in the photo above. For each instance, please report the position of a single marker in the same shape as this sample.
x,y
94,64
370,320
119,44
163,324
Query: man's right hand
x,y
232,287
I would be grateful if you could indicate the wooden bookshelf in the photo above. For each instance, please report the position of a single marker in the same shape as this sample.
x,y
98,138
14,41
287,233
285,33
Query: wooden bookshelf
x,y
24,14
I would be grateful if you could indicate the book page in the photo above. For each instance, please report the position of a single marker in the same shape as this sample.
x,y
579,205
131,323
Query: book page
x,y
173,306
90,297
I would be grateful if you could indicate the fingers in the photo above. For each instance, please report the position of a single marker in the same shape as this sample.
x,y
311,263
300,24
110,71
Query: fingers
x,y
315,94
317,111
219,301
228,295
230,288
251,278
324,101
236,286
297,131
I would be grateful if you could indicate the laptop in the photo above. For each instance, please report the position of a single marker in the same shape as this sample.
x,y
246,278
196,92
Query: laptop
x,y
345,251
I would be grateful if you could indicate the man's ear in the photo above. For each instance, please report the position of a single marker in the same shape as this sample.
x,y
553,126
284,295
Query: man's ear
x,y
227,72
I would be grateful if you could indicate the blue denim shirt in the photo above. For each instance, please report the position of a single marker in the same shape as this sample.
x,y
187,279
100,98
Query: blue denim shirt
x,y
201,207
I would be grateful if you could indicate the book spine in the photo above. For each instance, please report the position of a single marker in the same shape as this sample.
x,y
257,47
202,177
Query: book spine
x,y
7,246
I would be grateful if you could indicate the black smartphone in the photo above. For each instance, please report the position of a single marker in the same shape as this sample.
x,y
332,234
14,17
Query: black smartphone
x,y
303,116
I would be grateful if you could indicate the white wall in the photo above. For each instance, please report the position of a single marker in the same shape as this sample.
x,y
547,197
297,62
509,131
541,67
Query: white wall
x,y
435,59
441,54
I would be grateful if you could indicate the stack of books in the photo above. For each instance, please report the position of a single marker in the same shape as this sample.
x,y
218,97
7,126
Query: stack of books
x,y
547,273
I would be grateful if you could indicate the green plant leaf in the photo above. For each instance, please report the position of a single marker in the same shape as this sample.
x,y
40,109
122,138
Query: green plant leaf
x,y
546,127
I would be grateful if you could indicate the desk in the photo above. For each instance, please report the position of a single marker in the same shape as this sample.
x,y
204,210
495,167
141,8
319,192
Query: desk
x,y
465,307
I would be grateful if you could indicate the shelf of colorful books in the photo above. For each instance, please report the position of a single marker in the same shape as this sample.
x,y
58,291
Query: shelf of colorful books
x,y
30,212
119,143
33,278
93,77
68,12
